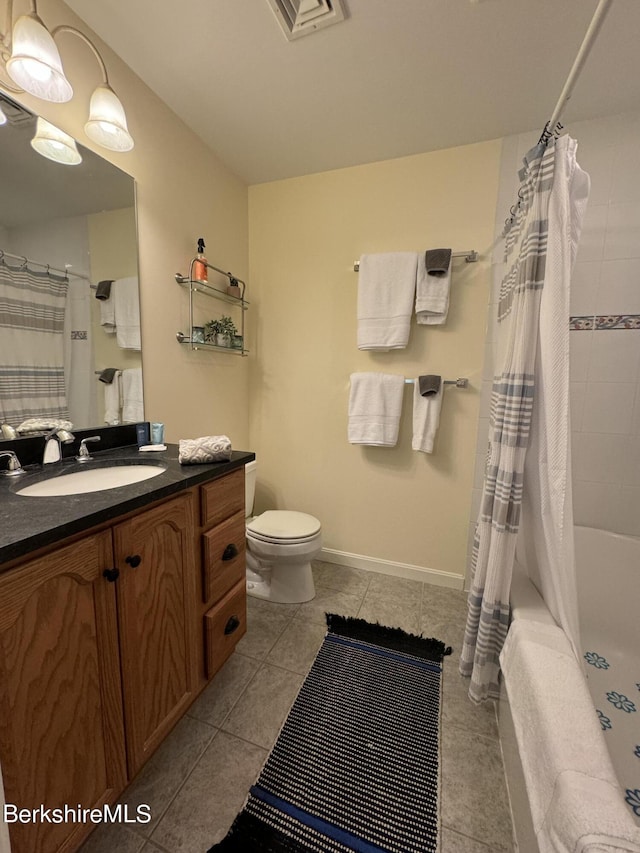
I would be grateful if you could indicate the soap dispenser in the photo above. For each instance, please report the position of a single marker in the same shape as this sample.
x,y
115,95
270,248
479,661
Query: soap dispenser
x,y
200,264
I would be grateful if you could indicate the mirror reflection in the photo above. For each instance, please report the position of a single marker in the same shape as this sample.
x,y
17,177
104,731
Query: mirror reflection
x,y
70,346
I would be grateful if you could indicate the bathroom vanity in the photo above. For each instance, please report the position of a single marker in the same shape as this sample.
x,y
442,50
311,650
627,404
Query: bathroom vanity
x,y
116,609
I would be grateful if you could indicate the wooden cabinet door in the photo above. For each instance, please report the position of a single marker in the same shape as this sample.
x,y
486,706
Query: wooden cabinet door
x,y
156,607
61,722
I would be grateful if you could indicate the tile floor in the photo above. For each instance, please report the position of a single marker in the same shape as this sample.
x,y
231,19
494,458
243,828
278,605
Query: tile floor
x,y
198,779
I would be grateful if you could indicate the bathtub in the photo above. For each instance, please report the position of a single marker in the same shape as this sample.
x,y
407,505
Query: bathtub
x,y
604,687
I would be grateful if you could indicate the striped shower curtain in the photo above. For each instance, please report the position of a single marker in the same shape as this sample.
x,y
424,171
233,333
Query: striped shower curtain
x,y
512,399
32,309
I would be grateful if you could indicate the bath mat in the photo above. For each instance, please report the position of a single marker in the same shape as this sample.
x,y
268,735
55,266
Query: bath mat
x,y
356,764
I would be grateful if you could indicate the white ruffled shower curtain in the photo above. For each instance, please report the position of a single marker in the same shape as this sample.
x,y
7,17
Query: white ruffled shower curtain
x,y
526,498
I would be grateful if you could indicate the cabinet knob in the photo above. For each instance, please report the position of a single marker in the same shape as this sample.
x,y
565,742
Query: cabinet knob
x,y
231,625
230,552
111,575
134,560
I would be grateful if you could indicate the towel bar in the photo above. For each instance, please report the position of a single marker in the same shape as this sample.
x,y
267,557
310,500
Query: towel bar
x,y
462,382
470,257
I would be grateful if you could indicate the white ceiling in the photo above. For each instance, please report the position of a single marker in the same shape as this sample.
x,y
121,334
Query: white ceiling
x,y
397,77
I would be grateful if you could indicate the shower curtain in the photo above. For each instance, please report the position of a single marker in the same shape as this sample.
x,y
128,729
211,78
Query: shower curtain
x,y
32,308
528,458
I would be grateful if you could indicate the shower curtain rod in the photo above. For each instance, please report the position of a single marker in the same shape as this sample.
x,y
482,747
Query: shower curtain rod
x,y
585,48
48,267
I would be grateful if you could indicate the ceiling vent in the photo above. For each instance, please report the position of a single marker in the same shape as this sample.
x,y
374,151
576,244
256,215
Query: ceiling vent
x,y
303,17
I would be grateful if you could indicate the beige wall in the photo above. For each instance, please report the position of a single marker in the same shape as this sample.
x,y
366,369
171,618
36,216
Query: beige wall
x,y
183,192
388,504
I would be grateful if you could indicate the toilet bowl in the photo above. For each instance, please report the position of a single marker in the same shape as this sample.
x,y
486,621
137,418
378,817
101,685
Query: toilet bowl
x,y
280,547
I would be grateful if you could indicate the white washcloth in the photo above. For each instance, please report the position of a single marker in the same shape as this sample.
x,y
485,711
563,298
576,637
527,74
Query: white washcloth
x,y
108,315
132,397
577,805
426,417
209,448
112,401
432,295
124,292
375,405
386,290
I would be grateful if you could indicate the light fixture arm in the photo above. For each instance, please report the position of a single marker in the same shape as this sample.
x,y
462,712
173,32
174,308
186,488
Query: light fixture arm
x,y
63,28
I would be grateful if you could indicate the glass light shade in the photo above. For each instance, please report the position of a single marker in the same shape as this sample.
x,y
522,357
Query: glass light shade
x,y
107,124
3,118
55,144
35,63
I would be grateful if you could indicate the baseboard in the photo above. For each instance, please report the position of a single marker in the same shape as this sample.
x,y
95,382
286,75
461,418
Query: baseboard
x,y
388,567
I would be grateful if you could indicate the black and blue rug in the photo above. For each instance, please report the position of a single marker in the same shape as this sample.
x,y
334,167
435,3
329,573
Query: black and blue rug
x,y
356,764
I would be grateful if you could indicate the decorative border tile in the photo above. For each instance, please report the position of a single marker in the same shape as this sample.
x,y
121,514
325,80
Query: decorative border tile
x,y
601,322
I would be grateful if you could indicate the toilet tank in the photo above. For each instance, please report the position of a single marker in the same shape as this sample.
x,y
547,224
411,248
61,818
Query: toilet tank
x,y
249,487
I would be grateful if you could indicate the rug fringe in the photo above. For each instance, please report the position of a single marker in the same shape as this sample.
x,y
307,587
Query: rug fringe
x,y
428,648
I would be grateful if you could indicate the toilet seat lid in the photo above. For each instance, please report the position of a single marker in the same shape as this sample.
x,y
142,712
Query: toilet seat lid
x,y
284,525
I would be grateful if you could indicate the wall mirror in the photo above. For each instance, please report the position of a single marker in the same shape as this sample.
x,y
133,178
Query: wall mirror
x,y
66,231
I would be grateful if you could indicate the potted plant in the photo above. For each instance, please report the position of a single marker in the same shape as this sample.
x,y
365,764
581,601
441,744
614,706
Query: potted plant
x,y
220,332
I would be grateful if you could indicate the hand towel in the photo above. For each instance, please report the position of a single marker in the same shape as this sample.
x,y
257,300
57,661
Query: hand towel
x,y
375,405
429,384
432,294
127,312
112,401
132,396
437,261
108,315
576,803
386,290
107,375
103,289
209,448
43,424
426,417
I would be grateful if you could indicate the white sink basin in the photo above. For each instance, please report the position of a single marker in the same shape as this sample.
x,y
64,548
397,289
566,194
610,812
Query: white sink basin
x,y
91,480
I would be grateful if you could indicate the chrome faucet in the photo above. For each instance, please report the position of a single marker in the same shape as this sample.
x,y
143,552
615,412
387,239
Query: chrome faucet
x,y
83,453
13,466
52,441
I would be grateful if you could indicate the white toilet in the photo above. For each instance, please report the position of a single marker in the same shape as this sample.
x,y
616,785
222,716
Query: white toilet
x,y
280,547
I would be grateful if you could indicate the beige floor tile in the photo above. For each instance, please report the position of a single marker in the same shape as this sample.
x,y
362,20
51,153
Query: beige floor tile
x,y
392,612
215,792
474,794
330,601
162,776
216,700
110,837
396,588
453,842
341,578
459,710
298,646
261,710
265,623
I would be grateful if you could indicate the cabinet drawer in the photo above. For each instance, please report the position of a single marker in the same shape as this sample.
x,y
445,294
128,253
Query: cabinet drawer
x,y
224,625
222,498
223,557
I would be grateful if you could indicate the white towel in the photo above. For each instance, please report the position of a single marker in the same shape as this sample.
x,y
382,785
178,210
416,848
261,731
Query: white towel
x,y
577,805
124,292
386,290
432,295
426,417
375,405
108,315
209,448
112,401
132,399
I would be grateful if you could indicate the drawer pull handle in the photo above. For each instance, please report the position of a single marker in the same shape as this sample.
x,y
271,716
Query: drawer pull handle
x,y
134,560
231,625
230,552
111,575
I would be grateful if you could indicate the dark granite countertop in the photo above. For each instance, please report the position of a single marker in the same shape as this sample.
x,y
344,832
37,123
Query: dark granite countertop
x,y
29,523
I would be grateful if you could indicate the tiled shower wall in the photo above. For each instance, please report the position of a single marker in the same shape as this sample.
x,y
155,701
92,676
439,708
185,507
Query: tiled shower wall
x,y
605,324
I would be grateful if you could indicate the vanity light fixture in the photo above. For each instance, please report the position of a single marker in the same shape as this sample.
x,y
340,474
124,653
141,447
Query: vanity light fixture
x,y
3,118
31,59
55,144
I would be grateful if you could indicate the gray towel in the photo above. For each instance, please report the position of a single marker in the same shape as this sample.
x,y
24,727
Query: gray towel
x,y
429,384
437,261
103,290
107,375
